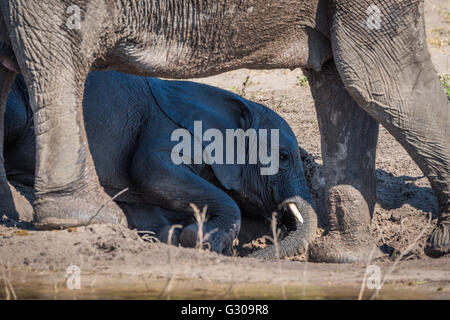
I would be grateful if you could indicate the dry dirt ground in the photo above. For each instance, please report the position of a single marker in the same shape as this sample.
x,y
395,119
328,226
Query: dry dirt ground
x,y
120,263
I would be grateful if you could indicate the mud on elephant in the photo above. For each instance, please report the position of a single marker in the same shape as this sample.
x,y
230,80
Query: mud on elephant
x,y
131,123
361,74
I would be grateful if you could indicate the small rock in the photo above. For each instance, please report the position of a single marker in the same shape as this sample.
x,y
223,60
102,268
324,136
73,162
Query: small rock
x,y
396,217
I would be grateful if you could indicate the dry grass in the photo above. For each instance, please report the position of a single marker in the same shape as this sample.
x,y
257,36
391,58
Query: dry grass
x,y
105,204
400,257
148,236
369,261
201,244
171,231
165,292
394,266
275,240
9,290
201,219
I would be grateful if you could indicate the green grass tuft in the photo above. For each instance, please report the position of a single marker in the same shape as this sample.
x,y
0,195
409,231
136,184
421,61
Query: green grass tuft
x,y
302,81
445,80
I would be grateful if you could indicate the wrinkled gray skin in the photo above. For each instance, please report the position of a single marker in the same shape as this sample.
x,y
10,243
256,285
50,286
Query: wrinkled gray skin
x,y
360,76
129,122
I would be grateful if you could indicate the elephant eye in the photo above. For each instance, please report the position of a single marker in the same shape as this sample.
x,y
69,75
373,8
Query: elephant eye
x,y
284,156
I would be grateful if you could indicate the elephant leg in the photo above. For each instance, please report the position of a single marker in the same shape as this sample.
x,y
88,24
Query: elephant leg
x,y
384,62
164,224
179,188
348,138
151,218
68,192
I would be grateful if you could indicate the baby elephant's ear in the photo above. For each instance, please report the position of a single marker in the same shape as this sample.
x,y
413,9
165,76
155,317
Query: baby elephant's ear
x,y
185,102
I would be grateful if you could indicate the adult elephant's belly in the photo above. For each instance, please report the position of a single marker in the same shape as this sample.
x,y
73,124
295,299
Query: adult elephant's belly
x,y
219,36
299,50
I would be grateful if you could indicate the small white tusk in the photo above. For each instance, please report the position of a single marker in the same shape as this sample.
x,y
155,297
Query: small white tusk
x,y
295,212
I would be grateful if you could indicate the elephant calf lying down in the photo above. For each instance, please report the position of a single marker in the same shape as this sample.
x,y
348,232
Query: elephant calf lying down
x,y
133,127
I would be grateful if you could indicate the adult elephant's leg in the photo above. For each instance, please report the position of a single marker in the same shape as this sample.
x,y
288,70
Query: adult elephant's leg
x,y
348,138
67,188
382,56
54,68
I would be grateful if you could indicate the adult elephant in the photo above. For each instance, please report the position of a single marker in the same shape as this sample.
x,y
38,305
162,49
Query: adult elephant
x,y
367,62
136,126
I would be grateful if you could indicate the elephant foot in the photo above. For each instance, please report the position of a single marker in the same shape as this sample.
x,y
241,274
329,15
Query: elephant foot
x,y
336,248
215,241
438,243
349,238
190,238
169,235
64,211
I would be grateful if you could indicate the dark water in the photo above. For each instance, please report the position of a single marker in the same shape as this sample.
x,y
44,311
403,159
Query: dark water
x,y
190,289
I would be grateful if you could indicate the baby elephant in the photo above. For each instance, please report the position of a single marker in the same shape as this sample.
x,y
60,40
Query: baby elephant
x,y
171,144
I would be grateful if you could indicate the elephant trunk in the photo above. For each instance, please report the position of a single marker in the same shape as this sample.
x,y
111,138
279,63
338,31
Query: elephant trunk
x,y
300,220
